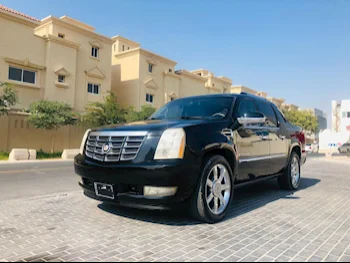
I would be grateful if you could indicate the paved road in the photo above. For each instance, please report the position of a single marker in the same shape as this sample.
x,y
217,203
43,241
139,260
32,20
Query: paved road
x,y
319,155
264,224
31,179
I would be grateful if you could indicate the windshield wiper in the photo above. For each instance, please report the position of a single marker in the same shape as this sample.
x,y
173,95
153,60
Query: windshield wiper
x,y
191,118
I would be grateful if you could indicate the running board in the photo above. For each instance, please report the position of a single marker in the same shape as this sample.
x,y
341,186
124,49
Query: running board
x,y
256,181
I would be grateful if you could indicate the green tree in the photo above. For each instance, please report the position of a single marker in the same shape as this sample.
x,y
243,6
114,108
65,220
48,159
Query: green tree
x,y
104,113
131,115
304,119
8,98
110,112
146,112
51,115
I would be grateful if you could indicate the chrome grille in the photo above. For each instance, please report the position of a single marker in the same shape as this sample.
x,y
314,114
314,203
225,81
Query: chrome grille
x,y
123,146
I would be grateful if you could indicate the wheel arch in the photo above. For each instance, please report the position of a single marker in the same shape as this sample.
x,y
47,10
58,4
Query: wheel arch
x,y
296,149
227,151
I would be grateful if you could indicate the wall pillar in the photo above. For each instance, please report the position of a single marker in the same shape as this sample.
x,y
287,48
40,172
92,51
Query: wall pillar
x,y
4,133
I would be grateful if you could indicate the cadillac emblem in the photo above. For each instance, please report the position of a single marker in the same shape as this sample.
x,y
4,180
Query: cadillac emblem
x,y
106,148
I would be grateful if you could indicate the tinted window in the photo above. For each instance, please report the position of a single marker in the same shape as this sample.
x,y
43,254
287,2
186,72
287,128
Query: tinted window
x,y
246,106
15,74
93,88
22,75
202,108
28,76
90,88
149,98
266,109
280,116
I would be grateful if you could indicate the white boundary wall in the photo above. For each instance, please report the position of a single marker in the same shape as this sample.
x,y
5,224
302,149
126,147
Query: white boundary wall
x,y
337,139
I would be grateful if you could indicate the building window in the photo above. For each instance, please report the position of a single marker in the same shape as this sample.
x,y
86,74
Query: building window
x,y
61,35
346,115
93,88
95,52
150,68
199,74
149,98
170,70
128,48
22,75
61,79
123,47
172,98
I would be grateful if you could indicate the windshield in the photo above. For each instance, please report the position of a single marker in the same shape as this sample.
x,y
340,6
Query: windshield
x,y
195,108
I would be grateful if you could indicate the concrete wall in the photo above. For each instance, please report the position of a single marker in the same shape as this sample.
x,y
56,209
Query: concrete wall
x,y
153,83
191,87
125,79
17,133
344,113
171,86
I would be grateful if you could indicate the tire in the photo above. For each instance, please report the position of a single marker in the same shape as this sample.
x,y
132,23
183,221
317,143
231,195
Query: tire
x,y
290,180
199,208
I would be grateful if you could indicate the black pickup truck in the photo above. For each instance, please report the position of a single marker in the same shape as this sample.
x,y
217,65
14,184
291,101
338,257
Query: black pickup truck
x,y
193,152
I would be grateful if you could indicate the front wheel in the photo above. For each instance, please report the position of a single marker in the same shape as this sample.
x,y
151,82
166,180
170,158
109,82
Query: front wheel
x,y
214,192
290,180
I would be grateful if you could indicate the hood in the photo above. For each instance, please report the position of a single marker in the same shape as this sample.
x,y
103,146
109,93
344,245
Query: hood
x,y
154,127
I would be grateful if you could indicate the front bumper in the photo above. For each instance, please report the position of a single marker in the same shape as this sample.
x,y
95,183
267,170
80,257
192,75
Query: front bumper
x,y
128,181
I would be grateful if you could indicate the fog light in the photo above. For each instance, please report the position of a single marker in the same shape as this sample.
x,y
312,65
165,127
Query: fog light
x,y
80,180
159,191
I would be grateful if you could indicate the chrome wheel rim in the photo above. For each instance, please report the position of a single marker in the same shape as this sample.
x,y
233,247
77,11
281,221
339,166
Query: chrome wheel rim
x,y
218,189
295,172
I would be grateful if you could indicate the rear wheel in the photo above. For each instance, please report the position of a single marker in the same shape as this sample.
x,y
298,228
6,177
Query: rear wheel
x,y
290,180
214,192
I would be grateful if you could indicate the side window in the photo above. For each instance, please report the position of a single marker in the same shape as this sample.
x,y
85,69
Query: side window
x,y
280,116
246,106
266,109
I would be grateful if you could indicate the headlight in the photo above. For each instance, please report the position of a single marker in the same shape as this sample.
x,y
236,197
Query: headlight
x,y
82,145
171,145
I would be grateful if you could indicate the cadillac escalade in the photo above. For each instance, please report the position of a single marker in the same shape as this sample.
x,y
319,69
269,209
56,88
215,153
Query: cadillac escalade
x,y
193,152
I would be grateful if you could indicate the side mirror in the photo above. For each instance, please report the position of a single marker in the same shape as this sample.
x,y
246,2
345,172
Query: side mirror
x,y
252,118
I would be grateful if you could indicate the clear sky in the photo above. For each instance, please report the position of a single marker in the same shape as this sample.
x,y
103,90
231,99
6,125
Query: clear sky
x,y
293,49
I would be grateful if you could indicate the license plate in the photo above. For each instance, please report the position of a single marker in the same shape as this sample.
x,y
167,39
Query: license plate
x,y
104,190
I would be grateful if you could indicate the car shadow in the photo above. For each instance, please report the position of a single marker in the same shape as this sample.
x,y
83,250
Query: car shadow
x,y
246,199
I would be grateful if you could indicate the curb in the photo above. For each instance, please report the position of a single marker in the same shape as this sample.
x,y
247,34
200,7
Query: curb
x,y
37,161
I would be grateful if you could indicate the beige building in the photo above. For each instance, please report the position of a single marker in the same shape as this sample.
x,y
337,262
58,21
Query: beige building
x,y
141,77
65,60
58,59
214,84
54,59
62,59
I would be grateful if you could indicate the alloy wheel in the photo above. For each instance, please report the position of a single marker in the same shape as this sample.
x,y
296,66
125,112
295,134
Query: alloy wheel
x,y
218,189
295,172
